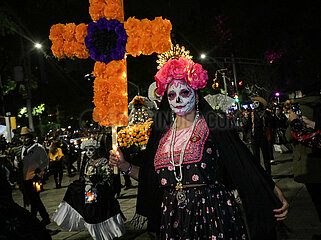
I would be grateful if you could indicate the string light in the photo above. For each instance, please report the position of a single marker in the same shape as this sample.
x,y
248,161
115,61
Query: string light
x,y
174,53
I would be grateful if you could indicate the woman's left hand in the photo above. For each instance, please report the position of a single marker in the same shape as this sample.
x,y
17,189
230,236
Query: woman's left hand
x,y
282,212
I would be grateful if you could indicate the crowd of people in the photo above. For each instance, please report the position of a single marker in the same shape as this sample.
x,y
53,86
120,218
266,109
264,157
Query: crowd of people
x,y
194,159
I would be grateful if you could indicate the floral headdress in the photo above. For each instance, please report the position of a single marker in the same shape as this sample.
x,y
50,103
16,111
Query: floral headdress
x,y
183,68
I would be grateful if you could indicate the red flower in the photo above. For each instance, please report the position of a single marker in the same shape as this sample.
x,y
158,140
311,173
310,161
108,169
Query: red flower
x,y
163,181
195,177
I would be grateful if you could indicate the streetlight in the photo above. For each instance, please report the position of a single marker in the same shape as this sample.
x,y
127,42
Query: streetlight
x,y
38,45
25,61
221,71
204,56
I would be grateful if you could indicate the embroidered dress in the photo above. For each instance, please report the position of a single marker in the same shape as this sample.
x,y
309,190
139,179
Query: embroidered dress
x,y
209,211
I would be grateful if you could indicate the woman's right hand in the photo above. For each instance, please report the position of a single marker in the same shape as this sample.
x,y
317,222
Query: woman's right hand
x,y
117,159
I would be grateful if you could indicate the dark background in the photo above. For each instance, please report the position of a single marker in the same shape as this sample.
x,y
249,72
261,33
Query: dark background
x,y
283,34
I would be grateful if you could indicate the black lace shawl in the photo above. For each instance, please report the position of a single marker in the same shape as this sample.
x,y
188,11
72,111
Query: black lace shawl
x,y
255,187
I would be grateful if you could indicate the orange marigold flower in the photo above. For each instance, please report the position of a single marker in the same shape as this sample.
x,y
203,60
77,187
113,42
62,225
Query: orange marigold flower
x,y
69,32
147,48
56,32
68,49
57,49
161,44
131,26
134,46
96,1
146,27
81,32
114,11
161,26
81,51
96,10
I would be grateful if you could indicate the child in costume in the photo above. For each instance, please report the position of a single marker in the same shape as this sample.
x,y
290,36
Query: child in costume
x,y
89,202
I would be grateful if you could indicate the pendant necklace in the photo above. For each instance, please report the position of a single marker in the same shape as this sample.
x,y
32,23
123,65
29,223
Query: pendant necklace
x,y
181,195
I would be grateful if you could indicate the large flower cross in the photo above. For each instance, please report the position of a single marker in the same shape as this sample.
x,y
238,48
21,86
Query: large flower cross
x,y
107,40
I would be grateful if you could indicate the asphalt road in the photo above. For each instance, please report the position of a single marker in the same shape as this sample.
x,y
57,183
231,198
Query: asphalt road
x,y
301,224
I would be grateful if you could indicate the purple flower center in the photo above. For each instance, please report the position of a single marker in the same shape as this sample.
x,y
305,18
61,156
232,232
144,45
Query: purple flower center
x,y
105,41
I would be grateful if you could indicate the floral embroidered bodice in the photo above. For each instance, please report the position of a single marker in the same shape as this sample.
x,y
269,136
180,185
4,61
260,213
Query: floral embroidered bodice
x,y
201,162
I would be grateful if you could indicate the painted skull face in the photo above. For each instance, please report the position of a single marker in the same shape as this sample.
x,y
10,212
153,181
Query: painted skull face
x,y
256,104
181,97
26,140
90,151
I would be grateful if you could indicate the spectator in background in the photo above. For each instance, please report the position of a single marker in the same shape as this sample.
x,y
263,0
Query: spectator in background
x,y
279,125
307,160
31,161
56,158
15,221
67,148
257,123
301,131
3,144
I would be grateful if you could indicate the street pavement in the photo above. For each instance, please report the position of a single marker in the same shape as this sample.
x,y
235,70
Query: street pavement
x,y
302,221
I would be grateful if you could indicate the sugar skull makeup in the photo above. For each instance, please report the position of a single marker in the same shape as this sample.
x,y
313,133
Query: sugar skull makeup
x,y
90,151
181,97
256,104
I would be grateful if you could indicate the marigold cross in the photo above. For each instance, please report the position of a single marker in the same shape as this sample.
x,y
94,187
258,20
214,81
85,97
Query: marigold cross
x,y
107,40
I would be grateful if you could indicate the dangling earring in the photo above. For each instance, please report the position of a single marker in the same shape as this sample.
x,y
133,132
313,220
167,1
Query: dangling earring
x,y
197,109
173,116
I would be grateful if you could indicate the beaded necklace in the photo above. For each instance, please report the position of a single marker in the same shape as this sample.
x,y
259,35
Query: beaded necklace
x,y
180,196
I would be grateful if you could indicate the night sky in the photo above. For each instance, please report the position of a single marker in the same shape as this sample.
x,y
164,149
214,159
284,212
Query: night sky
x,y
284,33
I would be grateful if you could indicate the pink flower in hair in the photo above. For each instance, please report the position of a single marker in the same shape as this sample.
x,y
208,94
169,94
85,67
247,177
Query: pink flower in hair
x,y
193,74
176,69
197,77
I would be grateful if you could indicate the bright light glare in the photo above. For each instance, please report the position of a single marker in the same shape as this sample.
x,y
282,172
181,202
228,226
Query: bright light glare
x,y
277,94
38,46
203,56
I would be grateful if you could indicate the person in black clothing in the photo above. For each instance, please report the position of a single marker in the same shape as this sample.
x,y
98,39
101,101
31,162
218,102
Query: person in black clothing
x,y
31,160
279,126
190,154
105,140
67,148
256,122
301,131
307,159
3,144
89,202
17,223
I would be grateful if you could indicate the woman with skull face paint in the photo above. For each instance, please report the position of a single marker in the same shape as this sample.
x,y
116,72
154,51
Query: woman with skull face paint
x,y
190,156
89,203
